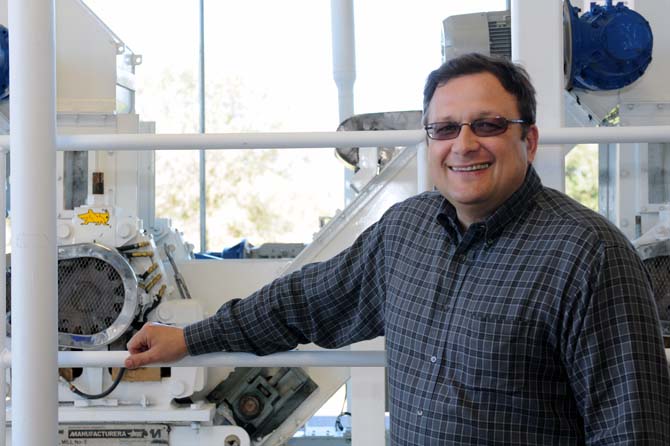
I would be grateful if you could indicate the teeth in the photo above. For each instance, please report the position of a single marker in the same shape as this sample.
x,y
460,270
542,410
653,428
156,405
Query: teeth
x,y
470,168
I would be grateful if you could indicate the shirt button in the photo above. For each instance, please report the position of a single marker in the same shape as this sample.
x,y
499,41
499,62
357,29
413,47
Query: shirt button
x,y
433,359
419,412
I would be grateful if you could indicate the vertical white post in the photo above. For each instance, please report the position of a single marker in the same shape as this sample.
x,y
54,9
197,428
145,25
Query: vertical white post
x,y
34,257
543,58
423,182
344,54
367,385
3,295
344,68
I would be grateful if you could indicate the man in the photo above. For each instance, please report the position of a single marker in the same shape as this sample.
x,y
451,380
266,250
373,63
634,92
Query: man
x,y
512,314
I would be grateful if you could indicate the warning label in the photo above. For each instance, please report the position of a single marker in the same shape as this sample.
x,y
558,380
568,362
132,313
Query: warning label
x,y
115,435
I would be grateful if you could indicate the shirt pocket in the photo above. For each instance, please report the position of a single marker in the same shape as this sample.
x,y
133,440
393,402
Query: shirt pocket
x,y
494,353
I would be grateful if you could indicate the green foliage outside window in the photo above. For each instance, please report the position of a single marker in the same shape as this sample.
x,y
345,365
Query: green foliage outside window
x,y
581,175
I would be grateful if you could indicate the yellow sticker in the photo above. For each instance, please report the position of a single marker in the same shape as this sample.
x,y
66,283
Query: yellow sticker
x,y
96,218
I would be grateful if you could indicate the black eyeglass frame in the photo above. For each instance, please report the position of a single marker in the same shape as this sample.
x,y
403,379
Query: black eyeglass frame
x,y
502,121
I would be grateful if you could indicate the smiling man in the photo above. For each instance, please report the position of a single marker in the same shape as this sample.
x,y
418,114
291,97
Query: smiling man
x,y
512,314
476,162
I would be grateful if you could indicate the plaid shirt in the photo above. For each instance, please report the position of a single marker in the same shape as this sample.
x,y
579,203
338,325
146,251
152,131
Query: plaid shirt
x,y
537,326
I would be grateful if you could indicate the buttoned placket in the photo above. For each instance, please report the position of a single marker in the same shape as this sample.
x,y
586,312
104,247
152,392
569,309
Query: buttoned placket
x,y
456,270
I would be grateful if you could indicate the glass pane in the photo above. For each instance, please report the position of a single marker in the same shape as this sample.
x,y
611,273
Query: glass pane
x,y
581,175
659,173
269,72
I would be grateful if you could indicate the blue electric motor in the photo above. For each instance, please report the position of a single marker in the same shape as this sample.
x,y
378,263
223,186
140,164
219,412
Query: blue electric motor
x,y
4,63
606,48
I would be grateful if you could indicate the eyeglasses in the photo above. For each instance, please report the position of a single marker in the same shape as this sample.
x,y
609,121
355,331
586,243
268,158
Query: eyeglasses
x,y
493,126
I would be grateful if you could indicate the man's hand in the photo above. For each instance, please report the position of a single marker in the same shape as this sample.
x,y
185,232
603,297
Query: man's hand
x,y
156,343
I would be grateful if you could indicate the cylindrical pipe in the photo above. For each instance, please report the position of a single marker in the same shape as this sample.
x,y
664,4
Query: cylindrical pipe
x,y
34,287
286,359
123,142
3,295
201,118
120,142
344,69
344,54
423,182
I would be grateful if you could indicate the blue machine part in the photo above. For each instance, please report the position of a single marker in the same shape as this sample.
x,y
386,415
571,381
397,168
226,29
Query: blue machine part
x,y
4,63
607,48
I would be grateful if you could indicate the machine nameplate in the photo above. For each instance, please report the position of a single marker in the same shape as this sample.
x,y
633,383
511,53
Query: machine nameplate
x,y
113,435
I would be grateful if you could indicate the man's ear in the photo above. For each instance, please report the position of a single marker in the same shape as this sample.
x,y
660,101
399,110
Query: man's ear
x,y
532,137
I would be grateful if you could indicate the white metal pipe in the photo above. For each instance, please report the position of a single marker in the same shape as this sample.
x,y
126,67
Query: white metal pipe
x,y
3,296
122,142
34,286
201,127
239,140
344,54
423,182
342,358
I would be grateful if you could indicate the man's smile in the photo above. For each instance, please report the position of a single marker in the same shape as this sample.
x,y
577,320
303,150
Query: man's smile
x,y
470,168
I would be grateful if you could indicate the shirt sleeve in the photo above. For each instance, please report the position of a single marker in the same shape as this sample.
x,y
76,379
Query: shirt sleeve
x,y
615,358
332,303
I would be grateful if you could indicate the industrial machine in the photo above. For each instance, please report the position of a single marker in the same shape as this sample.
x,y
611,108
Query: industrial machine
x,y
120,267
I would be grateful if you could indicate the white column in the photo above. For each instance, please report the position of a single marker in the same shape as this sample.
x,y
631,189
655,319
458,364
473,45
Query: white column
x,y
366,385
34,287
3,296
537,43
368,400
423,181
344,54
344,68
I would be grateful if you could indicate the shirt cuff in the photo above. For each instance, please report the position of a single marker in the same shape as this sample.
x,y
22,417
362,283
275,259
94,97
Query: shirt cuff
x,y
199,338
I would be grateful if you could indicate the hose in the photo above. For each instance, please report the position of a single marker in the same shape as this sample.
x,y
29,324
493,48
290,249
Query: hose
x,y
88,396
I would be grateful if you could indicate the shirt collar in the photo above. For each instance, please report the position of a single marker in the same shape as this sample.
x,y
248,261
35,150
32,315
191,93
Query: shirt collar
x,y
515,206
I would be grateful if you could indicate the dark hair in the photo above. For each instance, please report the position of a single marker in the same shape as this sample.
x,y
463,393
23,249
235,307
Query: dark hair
x,y
512,77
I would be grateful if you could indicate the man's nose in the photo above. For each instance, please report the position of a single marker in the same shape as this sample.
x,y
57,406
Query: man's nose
x,y
466,141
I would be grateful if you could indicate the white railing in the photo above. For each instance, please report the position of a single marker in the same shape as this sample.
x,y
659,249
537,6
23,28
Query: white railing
x,y
317,358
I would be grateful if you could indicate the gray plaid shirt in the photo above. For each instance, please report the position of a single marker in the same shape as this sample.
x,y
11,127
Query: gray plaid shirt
x,y
537,326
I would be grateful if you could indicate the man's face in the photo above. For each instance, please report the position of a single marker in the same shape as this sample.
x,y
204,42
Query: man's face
x,y
477,174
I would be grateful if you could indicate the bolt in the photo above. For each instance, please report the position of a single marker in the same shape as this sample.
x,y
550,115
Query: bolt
x,y
232,440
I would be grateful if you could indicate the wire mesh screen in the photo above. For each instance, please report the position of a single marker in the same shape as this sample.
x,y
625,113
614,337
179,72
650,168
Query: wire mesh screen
x,y
659,269
90,295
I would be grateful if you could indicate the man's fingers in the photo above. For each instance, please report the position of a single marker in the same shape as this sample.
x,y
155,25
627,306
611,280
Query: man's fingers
x,y
155,343
138,360
138,343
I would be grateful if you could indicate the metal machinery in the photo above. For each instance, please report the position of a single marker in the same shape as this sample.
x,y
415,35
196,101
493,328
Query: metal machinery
x,y
119,266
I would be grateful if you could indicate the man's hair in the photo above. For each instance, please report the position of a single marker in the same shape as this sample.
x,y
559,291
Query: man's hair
x,y
514,79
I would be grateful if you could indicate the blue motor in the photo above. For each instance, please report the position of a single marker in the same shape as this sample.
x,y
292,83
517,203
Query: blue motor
x,y
606,48
4,63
